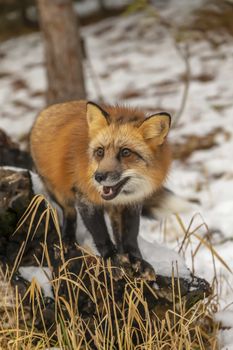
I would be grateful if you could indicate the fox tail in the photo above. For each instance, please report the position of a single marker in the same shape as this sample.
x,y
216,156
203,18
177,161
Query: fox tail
x,y
164,203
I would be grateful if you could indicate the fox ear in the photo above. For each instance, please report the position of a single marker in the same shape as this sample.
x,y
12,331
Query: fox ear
x,y
97,118
156,127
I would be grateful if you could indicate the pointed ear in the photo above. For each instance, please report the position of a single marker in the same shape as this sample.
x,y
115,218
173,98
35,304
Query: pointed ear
x,y
97,118
156,127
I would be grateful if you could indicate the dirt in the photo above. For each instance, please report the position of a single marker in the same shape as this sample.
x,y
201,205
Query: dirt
x,y
194,143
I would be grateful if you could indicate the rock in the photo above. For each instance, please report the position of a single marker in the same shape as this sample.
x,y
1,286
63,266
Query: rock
x,y
11,155
16,194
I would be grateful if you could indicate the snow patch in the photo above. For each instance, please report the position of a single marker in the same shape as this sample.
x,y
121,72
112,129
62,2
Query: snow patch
x,y
41,275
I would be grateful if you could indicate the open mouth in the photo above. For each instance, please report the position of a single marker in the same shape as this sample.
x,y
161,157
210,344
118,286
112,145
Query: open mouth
x,y
110,192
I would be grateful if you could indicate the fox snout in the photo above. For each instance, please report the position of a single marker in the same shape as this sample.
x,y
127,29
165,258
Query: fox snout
x,y
109,176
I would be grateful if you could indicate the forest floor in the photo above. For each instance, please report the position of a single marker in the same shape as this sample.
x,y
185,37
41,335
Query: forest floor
x,y
149,59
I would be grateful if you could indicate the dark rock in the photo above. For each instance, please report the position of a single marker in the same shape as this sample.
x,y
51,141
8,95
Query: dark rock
x,y
11,155
16,194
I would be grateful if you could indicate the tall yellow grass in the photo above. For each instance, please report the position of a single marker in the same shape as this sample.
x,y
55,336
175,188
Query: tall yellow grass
x,y
127,325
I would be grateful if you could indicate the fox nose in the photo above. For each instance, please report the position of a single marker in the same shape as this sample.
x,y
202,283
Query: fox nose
x,y
99,177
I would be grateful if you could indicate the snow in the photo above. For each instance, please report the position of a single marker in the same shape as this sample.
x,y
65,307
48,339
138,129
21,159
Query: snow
x,y
22,88
136,63
165,261
225,317
84,8
226,339
41,275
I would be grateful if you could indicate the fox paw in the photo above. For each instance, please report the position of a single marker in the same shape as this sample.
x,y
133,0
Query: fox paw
x,y
119,265
142,269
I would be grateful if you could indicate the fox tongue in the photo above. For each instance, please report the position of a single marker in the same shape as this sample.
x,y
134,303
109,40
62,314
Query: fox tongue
x,y
107,190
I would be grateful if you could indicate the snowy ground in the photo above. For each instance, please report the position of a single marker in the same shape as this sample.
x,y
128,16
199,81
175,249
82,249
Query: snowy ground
x,y
135,61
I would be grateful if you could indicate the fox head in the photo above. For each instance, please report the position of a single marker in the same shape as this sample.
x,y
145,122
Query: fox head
x,y
129,154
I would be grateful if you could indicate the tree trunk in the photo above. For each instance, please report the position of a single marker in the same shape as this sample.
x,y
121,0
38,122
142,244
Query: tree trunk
x,y
63,50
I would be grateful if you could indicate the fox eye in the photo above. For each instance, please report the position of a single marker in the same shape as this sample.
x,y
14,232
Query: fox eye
x,y
99,152
125,152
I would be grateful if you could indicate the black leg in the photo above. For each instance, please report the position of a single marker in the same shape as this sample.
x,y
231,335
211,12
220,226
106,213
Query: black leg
x,y
93,218
69,223
130,218
130,229
69,226
115,215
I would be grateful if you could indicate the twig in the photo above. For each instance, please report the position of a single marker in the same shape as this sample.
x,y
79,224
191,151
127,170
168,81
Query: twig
x,y
185,56
145,4
94,77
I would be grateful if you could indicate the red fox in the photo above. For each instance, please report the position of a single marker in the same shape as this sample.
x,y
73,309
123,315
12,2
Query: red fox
x,y
99,158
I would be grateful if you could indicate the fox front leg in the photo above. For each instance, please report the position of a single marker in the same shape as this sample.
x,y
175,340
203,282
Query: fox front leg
x,y
130,221
93,219
69,224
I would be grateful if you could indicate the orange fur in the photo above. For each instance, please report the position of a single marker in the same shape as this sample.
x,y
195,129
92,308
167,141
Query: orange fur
x,y
64,137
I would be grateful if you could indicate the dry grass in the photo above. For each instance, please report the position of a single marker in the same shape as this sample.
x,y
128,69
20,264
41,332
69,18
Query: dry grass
x,y
126,325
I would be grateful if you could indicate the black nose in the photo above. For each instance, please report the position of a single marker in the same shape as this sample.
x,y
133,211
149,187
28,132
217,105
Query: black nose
x,y
99,177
